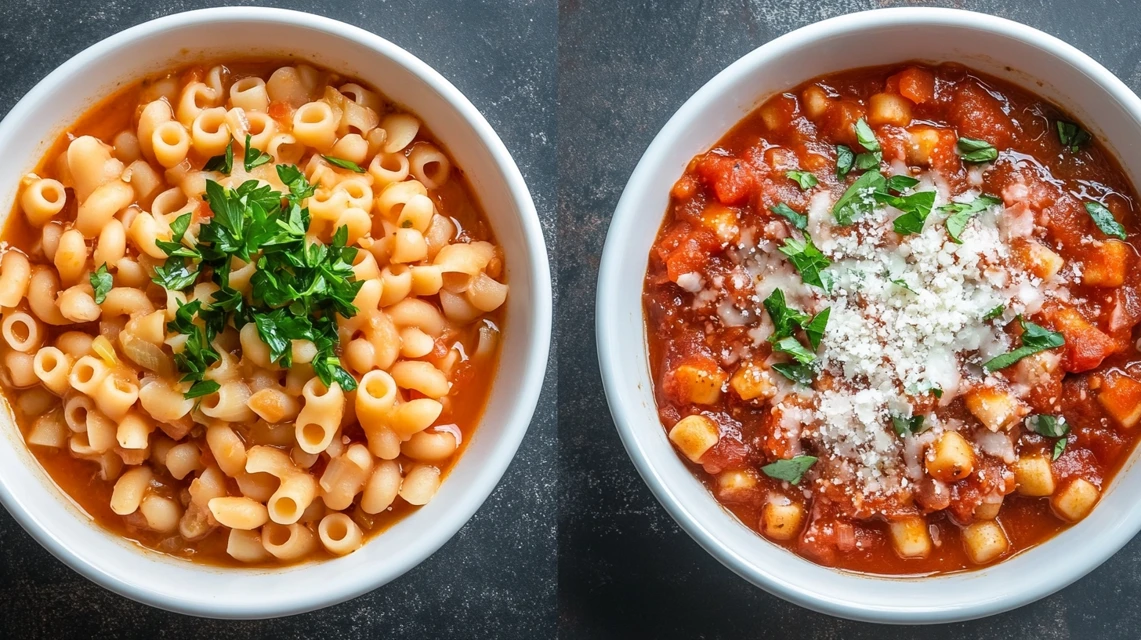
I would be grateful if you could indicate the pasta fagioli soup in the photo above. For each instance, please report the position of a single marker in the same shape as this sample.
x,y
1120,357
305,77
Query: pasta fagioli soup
x,y
250,313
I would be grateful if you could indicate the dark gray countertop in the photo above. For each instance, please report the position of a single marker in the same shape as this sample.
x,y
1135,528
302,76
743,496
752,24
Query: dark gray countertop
x,y
496,577
625,568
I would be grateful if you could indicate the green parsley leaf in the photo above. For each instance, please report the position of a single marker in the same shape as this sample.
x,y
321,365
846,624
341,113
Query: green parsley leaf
x,y
900,282
344,164
858,199
798,220
1047,425
804,179
1104,220
815,327
995,313
202,388
174,275
866,137
1072,136
1034,339
799,373
809,261
174,247
907,426
101,282
915,207
844,160
961,214
785,318
791,470
976,151
1059,448
224,162
254,156
869,160
900,183
791,346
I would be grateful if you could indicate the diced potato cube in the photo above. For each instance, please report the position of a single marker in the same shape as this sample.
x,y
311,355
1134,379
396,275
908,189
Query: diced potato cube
x,y
950,458
1033,476
1120,396
889,108
1105,267
988,510
721,220
781,519
1038,259
694,435
815,102
697,384
924,141
1075,501
751,381
996,409
737,485
985,541
910,538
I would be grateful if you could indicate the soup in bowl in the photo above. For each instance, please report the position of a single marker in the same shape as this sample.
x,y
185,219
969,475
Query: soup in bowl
x,y
256,312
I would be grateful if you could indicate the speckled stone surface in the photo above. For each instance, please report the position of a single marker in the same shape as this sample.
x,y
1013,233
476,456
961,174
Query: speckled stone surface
x,y
625,568
496,577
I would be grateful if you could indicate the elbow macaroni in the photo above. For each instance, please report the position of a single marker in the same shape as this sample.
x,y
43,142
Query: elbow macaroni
x,y
273,462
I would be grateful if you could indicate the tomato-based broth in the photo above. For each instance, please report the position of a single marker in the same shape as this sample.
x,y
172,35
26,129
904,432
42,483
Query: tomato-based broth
x,y
891,315
251,313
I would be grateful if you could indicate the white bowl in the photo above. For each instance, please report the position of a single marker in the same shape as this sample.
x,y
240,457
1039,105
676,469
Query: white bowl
x,y
28,493
1049,67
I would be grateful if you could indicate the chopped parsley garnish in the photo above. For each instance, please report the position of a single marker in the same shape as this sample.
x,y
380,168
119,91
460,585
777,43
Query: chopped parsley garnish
x,y
202,388
798,220
815,327
785,318
873,152
297,292
809,261
1104,220
995,313
915,207
859,198
1051,427
799,373
906,426
101,282
791,470
792,347
900,282
961,213
224,162
344,164
1034,340
976,151
871,188
1072,136
804,179
845,159
254,156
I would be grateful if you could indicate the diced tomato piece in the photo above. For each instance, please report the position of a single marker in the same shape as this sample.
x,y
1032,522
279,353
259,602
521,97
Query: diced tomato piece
x,y
692,253
728,453
913,83
202,212
978,114
839,124
280,111
1086,345
685,188
730,178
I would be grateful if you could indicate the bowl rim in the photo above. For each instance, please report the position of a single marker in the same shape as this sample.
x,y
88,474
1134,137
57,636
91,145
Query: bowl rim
x,y
526,394
609,332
